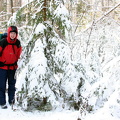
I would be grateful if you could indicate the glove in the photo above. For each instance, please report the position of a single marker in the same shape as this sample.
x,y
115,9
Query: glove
x,y
1,64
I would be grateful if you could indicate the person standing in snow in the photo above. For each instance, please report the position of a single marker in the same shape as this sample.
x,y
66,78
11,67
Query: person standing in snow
x,y
10,50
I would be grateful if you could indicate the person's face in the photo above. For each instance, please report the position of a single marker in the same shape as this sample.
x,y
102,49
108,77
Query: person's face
x,y
13,35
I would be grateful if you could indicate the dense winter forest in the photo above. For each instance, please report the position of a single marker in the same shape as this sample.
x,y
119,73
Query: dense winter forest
x,y
70,58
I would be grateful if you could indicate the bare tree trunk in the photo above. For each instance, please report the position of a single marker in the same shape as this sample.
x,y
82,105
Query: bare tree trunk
x,y
9,9
12,6
20,3
114,11
44,10
102,5
1,6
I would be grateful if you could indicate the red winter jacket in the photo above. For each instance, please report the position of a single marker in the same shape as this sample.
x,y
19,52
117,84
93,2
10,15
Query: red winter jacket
x,y
10,51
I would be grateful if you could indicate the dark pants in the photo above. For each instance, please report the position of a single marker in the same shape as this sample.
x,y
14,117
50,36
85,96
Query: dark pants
x,y
4,76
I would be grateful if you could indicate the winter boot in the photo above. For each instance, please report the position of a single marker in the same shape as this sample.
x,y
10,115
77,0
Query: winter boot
x,y
4,106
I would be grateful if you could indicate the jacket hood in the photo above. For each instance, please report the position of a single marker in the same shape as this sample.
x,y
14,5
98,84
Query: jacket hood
x,y
12,29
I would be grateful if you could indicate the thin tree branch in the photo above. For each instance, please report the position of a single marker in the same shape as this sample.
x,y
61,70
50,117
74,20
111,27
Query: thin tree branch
x,y
108,12
104,15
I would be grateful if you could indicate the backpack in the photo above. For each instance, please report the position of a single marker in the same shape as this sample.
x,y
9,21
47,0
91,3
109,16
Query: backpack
x,y
4,35
1,36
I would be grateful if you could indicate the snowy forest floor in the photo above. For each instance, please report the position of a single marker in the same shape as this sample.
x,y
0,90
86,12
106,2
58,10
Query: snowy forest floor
x,y
9,114
18,114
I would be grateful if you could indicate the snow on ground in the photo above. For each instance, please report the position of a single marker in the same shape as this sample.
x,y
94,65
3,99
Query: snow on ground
x,y
15,113
9,114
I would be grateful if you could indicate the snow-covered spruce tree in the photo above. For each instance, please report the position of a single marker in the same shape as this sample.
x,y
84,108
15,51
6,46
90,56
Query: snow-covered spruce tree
x,y
47,78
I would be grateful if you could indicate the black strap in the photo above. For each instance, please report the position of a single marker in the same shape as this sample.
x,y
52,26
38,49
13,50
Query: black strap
x,y
3,64
10,64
